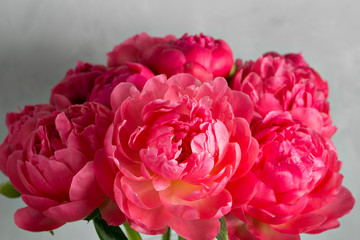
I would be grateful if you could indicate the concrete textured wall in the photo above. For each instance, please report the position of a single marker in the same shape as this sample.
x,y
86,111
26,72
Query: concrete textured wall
x,y
40,40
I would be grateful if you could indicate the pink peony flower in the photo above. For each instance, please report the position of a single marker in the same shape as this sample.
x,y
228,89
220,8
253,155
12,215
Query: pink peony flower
x,y
54,173
177,143
20,126
298,184
135,49
200,55
105,83
286,82
76,86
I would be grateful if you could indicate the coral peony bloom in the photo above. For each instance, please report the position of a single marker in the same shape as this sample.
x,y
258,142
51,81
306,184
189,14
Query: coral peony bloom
x,y
104,84
135,49
76,86
177,143
20,126
54,173
286,82
200,55
298,188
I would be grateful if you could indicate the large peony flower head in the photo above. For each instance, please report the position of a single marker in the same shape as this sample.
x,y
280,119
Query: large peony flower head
x,y
54,172
177,143
286,82
202,56
298,184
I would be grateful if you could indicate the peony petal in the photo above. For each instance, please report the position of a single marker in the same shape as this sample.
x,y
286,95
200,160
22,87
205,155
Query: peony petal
x,y
243,189
268,103
248,159
157,86
56,174
201,208
198,168
141,193
38,203
242,106
166,61
84,185
31,175
222,139
120,93
72,158
231,157
341,205
104,173
325,226
111,213
87,141
64,126
33,220
264,232
195,229
60,101
337,208
13,166
199,54
301,223
161,183
153,219
310,117
197,70
73,211
237,229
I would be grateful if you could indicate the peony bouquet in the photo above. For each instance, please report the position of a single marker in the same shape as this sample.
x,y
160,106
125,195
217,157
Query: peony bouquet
x,y
174,135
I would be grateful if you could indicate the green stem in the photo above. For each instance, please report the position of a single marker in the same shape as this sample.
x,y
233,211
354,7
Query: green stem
x,y
181,238
223,233
132,234
166,236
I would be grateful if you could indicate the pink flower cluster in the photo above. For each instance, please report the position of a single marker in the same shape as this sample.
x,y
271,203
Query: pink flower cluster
x,y
168,136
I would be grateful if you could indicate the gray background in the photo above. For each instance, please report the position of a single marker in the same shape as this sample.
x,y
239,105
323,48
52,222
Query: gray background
x,y
40,40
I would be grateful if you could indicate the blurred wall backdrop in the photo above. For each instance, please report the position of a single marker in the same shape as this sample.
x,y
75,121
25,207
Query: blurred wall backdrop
x,y
40,40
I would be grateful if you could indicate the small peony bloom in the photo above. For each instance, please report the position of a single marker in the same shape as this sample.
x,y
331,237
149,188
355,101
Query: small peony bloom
x,y
298,184
20,126
177,143
285,82
200,55
54,173
135,73
76,86
135,49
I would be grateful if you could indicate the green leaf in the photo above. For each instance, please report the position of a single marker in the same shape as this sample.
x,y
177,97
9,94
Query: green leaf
x,y
106,232
181,238
166,236
132,234
223,233
8,190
